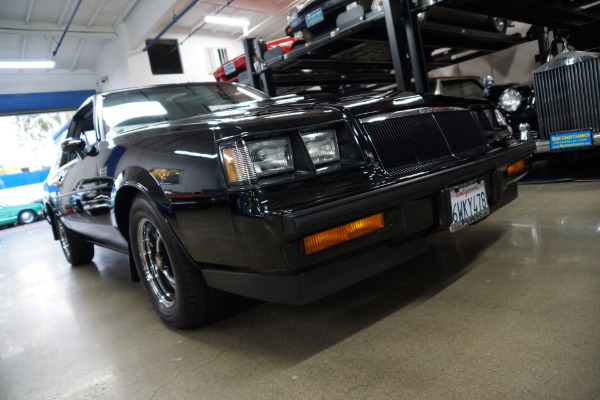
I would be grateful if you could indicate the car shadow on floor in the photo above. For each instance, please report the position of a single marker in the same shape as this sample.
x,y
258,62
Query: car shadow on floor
x,y
294,333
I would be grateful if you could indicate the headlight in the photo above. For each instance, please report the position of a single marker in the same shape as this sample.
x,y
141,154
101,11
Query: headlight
x,y
293,14
271,156
322,146
510,100
256,159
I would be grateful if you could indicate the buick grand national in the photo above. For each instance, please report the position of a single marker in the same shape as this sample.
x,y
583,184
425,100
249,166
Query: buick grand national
x,y
215,188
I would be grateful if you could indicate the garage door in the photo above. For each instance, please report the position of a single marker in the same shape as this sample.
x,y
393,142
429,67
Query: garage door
x,y
26,103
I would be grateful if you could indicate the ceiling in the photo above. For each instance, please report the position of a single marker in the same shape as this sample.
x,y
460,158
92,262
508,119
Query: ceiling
x,y
31,30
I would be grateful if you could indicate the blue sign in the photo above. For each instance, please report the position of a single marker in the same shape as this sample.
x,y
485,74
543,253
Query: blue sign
x,y
314,17
570,140
229,68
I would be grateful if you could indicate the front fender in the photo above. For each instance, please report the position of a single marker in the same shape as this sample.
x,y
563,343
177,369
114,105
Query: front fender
x,y
129,182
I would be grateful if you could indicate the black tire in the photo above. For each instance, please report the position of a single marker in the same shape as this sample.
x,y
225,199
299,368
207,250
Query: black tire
x,y
175,285
76,249
27,217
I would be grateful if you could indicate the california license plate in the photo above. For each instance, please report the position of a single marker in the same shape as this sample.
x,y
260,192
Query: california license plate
x,y
469,204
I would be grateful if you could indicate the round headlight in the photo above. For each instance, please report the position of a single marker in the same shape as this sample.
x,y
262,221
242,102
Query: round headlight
x,y
293,14
510,100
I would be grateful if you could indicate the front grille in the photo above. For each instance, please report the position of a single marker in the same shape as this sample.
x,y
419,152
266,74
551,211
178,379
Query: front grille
x,y
568,98
409,144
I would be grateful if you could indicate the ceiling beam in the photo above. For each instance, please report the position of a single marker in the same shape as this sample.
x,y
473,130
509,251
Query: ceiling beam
x,y
77,53
260,6
95,13
29,11
125,13
44,28
63,12
24,48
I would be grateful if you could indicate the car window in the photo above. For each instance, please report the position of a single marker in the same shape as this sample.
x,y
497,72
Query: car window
x,y
466,88
126,111
81,127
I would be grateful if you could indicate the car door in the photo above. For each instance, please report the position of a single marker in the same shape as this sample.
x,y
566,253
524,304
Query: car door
x,y
83,195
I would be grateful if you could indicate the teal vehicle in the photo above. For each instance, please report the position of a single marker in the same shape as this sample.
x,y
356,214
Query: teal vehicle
x,y
22,214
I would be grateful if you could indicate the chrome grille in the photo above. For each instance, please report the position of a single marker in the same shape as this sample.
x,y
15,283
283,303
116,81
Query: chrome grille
x,y
568,98
409,144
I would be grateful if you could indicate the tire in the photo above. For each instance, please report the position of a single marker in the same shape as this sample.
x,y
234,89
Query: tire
x,y
174,285
76,250
27,217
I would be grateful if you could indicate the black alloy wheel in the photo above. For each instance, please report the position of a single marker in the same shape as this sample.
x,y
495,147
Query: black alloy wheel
x,y
174,284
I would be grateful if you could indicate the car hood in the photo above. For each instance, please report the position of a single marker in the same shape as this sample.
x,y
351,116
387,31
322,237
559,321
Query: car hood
x,y
294,112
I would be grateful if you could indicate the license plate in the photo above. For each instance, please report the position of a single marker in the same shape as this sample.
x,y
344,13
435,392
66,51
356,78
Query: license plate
x,y
468,203
229,68
314,17
570,140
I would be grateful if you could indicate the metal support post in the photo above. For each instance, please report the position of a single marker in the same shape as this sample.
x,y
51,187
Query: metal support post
x,y
266,77
397,39
415,48
249,52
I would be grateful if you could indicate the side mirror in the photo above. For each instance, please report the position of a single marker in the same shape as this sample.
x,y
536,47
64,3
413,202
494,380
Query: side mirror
x,y
70,146
488,81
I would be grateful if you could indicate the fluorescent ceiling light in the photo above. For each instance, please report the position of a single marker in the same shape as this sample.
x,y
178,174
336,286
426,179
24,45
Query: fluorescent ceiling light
x,y
227,21
26,64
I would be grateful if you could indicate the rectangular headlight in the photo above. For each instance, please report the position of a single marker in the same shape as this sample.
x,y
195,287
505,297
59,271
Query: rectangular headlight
x,y
322,146
272,156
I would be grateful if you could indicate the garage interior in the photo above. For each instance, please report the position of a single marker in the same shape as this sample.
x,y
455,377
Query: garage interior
x,y
507,308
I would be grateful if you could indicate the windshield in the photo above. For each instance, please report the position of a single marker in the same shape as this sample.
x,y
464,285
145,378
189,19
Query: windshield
x,y
132,109
466,88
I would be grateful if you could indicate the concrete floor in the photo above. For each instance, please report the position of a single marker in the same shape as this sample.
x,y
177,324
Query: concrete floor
x,y
507,309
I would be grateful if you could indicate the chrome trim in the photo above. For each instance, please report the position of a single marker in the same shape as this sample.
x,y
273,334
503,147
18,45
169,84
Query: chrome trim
x,y
407,113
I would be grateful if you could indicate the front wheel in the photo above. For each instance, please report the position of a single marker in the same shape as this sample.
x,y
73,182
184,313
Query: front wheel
x,y
175,286
76,249
27,217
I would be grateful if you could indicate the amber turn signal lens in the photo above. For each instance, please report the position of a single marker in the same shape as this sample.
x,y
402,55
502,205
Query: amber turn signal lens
x,y
515,168
344,233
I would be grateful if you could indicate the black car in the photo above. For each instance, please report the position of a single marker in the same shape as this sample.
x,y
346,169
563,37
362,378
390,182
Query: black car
x,y
517,103
214,188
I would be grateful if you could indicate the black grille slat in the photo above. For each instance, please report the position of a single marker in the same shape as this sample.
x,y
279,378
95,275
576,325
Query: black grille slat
x,y
409,144
568,98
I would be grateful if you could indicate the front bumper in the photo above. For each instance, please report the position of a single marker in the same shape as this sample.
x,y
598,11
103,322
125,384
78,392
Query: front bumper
x,y
279,270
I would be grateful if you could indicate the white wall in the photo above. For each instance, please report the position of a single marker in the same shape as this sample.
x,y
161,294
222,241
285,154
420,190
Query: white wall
x,y
511,65
194,59
51,81
514,64
132,68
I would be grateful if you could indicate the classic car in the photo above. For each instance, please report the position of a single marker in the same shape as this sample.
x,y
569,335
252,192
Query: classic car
x,y
450,16
559,110
21,214
215,187
517,103
229,71
318,17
